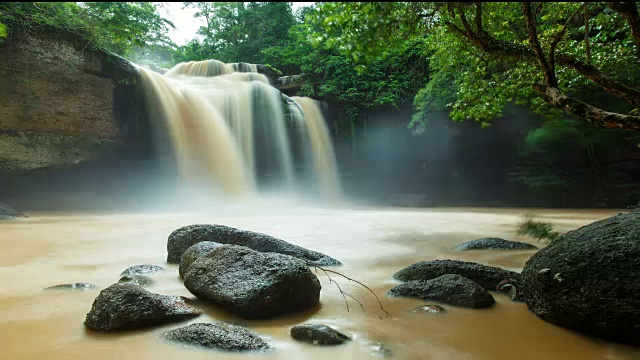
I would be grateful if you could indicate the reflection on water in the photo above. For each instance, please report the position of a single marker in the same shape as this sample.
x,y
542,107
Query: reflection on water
x,y
51,249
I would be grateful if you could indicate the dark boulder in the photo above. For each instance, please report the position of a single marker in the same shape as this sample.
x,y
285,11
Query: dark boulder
x,y
486,276
318,334
493,244
183,238
430,309
74,286
142,270
450,289
7,212
253,284
127,306
139,280
218,336
589,279
193,252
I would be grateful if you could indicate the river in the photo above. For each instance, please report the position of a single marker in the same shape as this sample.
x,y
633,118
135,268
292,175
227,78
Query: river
x,y
47,249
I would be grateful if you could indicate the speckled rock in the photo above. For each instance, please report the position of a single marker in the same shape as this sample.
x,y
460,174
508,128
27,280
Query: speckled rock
x,y
493,244
486,276
429,309
318,334
127,306
193,252
143,270
183,238
218,336
139,280
253,284
589,279
450,289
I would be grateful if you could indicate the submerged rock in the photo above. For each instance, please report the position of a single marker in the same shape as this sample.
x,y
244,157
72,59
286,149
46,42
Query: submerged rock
x,y
430,309
74,286
183,238
494,244
142,270
7,212
193,252
589,279
127,306
379,350
450,289
253,284
139,280
318,334
486,276
511,287
218,336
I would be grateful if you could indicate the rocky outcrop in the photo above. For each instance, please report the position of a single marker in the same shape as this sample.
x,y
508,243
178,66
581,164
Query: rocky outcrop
x,y
127,306
486,276
183,238
57,100
290,82
252,284
494,244
589,279
218,336
7,212
142,270
318,334
450,289
202,248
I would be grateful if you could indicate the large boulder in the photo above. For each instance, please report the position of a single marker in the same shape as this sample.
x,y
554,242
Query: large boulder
x,y
494,244
589,279
218,336
183,238
7,212
125,306
486,276
253,284
318,334
193,252
450,289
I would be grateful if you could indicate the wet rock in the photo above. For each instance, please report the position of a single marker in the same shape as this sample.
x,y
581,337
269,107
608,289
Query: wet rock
x,y
218,336
253,284
430,309
494,244
589,279
512,288
181,239
139,280
7,212
74,286
318,334
193,252
379,350
142,270
450,289
486,276
127,306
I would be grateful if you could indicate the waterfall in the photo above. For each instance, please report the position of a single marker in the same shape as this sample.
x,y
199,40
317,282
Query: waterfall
x,y
228,129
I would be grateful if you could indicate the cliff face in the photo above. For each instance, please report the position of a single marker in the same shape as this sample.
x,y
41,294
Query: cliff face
x,y
56,103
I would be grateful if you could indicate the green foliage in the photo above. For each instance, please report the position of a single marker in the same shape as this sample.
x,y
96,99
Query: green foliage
x,y
466,80
114,26
537,229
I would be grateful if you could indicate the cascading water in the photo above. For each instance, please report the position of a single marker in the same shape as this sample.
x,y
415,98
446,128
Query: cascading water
x,y
229,129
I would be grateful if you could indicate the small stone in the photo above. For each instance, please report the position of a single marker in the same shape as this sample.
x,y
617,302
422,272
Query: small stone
x,y
142,270
318,334
379,350
218,336
74,286
430,309
139,280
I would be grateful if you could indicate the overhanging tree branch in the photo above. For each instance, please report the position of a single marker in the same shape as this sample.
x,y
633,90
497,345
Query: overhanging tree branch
x,y
547,71
629,12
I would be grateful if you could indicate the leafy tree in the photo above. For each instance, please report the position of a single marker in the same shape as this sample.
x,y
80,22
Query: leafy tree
x,y
114,26
485,55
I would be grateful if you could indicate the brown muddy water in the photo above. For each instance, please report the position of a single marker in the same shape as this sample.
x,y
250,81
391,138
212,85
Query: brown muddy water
x,y
54,248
